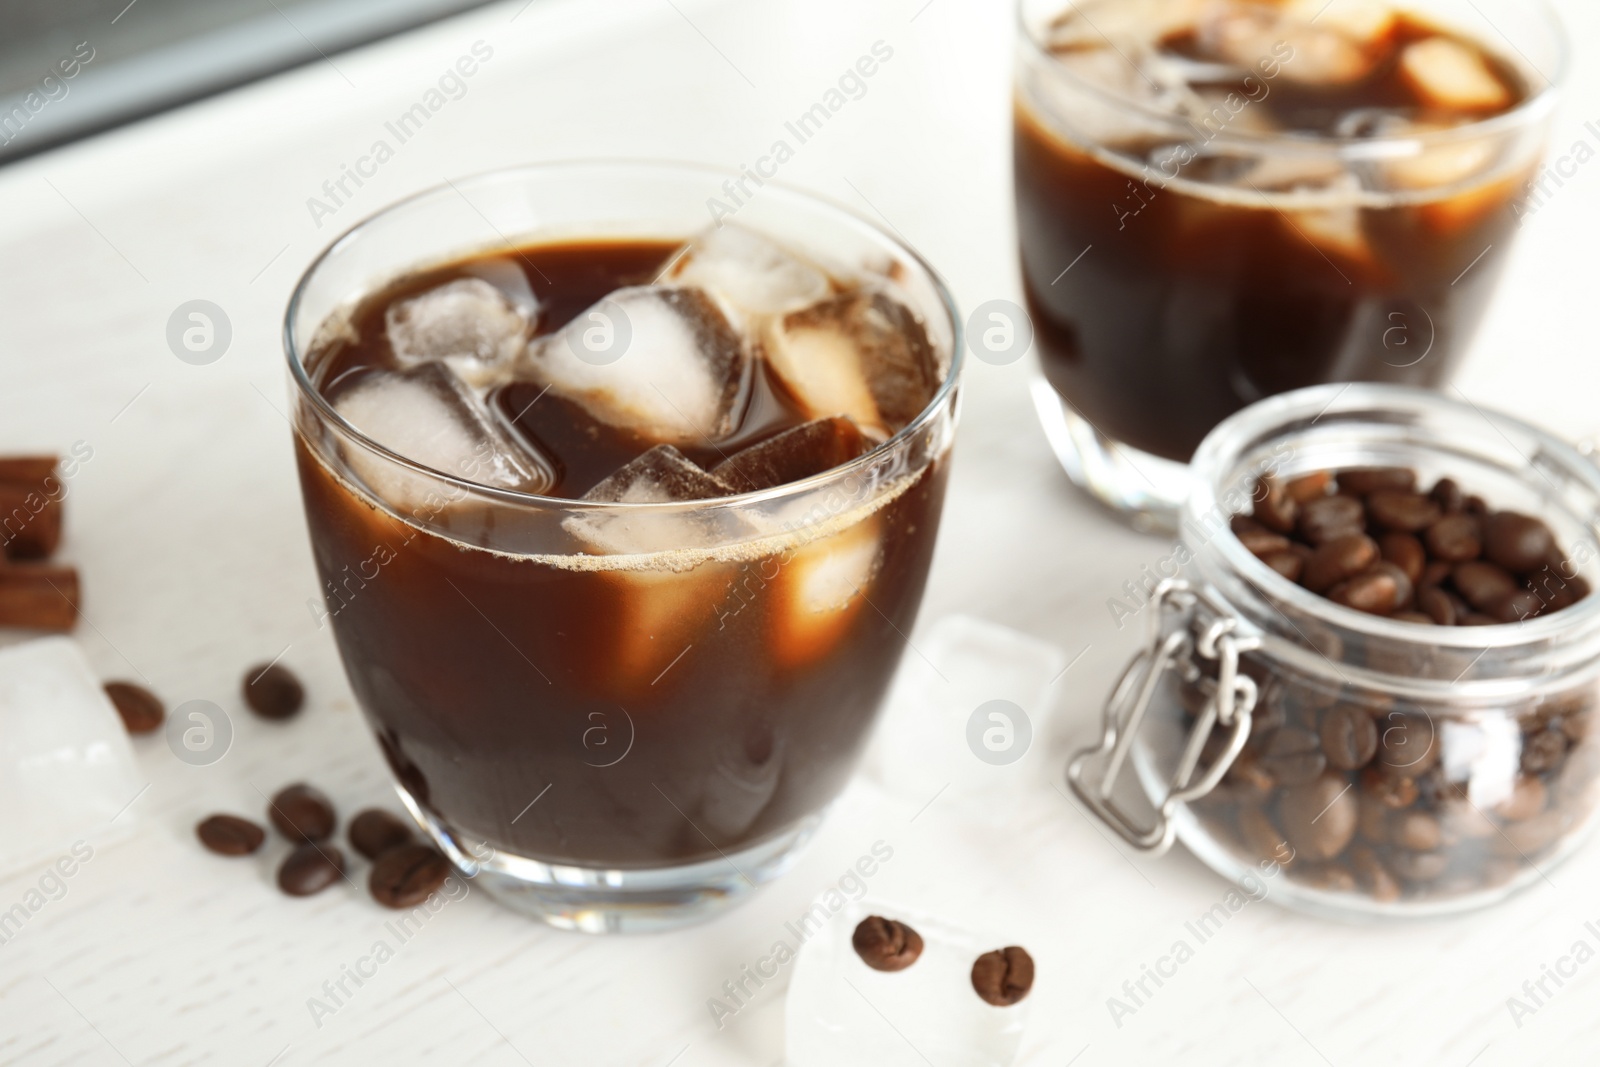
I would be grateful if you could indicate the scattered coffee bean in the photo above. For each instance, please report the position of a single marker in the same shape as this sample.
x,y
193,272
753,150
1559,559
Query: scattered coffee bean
x,y
272,691
310,868
406,876
1349,737
1379,591
1519,543
302,813
374,831
1003,977
229,835
141,710
886,944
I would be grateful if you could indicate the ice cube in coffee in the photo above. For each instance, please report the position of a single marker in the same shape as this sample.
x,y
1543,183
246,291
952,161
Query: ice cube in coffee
x,y
596,558
1220,200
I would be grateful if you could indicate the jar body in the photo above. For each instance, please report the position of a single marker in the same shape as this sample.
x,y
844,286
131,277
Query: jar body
x,y
1391,768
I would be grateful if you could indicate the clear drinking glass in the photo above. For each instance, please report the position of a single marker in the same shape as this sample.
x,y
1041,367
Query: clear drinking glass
x,y
615,741
1183,258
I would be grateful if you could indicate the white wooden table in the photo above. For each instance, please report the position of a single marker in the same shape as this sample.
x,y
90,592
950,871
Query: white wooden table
x,y
187,526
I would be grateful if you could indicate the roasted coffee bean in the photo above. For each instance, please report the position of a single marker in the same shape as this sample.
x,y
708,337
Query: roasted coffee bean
x,y
1319,819
1379,591
1004,976
1330,878
1247,782
1366,480
1309,487
1349,737
229,835
1293,757
309,869
406,876
1329,517
272,691
1448,495
1516,607
374,831
141,710
302,813
1390,790
1262,543
1436,573
1405,552
1289,564
1454,539
1477,618
1334,561
1417,830
1519,543
1476,505
1262,840
1543,751
1274,508
1408,745
1374,819
1435,603
1406,512
1420,617
886,944
1483,584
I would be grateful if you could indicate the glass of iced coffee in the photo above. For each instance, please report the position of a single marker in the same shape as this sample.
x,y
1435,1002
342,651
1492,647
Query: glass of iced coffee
x,y
1220,200
623,516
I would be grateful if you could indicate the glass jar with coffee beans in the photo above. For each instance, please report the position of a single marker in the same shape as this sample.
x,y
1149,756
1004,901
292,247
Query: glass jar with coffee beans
x,y
1379,670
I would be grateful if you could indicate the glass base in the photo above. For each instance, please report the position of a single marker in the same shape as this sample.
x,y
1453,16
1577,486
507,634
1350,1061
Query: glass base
x,y
1145,491
596,900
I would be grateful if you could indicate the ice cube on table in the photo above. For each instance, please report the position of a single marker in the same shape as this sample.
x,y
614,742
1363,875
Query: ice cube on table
x,y
428,415
468,323
1447,74
66,765
862,354
751,273
962,664
840,1011
661,361
793,455
664,603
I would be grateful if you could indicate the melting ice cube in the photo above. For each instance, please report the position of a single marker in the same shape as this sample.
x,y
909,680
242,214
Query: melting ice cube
x,y
752,273
66,767
795,454
840,1011
660,476
467,323
430,417
664,362
820,588
1447,74
862,354
1311,54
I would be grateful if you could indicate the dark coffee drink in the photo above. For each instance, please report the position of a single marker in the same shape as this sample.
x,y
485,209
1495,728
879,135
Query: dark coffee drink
x,y
1219,201
603,666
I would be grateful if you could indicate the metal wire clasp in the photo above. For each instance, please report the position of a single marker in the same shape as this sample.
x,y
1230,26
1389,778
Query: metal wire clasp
x,y
1204,627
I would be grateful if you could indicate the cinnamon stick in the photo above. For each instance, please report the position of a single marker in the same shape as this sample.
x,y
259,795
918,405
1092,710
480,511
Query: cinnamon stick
x,y
39,596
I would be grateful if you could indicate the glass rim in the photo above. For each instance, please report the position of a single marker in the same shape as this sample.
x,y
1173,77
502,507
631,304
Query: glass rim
x,y
1225,444
325,411
1535,108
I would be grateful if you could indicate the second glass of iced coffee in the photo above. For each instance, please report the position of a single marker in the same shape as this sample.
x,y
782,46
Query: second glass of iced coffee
x,y
1220,200
622,517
